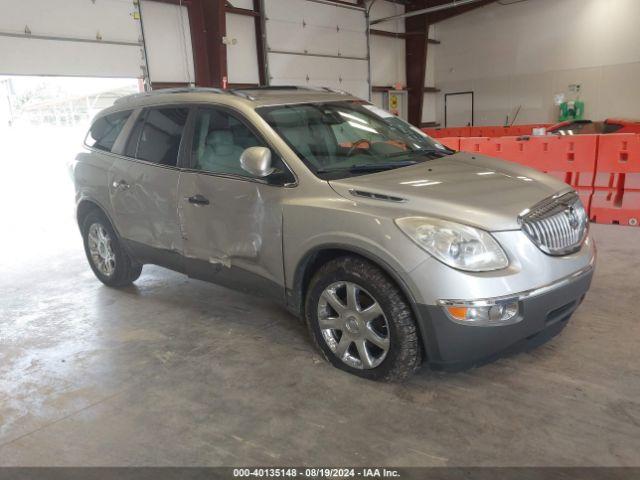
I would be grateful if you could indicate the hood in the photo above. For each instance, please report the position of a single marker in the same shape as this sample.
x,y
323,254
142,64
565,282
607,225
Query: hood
x,y
467,188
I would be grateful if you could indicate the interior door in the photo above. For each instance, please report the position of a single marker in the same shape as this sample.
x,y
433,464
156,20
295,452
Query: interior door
x,y
458,109
144,186
232,223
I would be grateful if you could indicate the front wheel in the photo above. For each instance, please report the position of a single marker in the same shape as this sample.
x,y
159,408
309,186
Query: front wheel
x,y
108,260
361,321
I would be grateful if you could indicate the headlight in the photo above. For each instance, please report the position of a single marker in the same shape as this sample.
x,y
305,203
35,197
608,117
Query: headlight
x,y
456,245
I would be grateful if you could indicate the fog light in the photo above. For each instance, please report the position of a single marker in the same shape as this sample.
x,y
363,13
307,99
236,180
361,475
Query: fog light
x,y
483,314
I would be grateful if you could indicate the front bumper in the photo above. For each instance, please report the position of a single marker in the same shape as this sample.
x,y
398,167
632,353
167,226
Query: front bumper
x,y
544,312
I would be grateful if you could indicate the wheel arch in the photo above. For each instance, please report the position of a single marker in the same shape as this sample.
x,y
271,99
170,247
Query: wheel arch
x,y
87,205
318,256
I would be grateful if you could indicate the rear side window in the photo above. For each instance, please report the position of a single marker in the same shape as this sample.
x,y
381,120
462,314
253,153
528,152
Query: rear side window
x,y
105,130
157,134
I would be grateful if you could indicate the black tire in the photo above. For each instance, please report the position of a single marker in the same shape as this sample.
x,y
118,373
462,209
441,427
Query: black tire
x,y
126,270
404,355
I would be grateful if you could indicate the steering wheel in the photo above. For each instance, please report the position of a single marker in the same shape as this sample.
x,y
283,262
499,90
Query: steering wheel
x,y
355,145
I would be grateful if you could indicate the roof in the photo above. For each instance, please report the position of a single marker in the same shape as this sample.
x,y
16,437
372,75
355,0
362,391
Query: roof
x,y
258,96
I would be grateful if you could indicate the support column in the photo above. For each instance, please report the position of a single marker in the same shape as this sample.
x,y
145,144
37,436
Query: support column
x,y
416,61
199,43
259,23
216,30
208,28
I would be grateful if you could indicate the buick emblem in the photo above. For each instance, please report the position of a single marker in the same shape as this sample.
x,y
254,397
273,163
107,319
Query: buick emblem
x,y
572,217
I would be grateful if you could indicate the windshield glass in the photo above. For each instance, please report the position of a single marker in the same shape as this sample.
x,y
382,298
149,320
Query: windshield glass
x,y
340,139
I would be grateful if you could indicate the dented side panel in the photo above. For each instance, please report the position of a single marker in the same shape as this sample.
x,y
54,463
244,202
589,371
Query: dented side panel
x,y
90,171
236,239
144,199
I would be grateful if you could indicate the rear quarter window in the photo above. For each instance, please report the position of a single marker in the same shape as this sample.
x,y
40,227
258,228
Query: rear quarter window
x,y
105,130
159,140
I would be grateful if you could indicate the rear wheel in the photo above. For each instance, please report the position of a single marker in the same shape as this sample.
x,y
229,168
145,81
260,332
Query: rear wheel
x,y
361,321
108,260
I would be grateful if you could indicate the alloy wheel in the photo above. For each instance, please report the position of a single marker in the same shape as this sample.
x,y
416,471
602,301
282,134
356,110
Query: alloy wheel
x,y
353,325
101,250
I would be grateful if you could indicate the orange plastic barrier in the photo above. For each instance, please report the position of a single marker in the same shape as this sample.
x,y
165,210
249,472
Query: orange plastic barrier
x,y
451,142
476,132
482,145
505,148
616,197
448,132
496,132
488,131
570,159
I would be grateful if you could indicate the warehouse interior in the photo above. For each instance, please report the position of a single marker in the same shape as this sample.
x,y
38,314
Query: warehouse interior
x,y
173,371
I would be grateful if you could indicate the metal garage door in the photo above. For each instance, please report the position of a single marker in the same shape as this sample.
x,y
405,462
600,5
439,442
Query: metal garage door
x,y
167,37
94,39
69,37
317,43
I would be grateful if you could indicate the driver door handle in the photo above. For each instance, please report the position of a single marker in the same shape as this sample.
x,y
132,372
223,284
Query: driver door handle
x,y
198,200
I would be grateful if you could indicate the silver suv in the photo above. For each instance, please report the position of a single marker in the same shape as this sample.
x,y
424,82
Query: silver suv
x,y
392,247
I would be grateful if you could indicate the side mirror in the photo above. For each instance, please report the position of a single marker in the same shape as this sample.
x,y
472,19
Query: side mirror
x,y
257,161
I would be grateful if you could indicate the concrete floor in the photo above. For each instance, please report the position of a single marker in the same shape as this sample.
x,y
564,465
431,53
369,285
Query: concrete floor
x,y
179,372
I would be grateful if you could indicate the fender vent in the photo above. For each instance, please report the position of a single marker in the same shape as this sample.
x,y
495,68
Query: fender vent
x,y
376,196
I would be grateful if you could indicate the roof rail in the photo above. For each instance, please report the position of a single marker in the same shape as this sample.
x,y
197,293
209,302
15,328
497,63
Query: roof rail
x,y
244,91
240,92
274,87
163,91
335,90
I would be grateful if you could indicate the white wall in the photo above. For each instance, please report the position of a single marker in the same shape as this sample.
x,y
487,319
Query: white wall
x,y
524,53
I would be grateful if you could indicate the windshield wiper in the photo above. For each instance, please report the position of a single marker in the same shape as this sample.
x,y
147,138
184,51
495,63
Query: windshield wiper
x,y
369,167
420,151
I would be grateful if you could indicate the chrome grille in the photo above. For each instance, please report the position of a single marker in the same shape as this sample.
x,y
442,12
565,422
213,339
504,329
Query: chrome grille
x,y
557,225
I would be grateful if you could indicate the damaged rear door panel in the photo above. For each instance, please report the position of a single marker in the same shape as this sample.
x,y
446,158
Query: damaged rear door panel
x,y
143,184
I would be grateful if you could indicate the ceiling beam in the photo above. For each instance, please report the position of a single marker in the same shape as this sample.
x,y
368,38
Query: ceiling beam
x,y
445,14
412,11
241,11
385,33
437,10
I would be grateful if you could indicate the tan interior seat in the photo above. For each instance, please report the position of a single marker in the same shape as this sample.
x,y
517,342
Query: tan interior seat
x,y
220,153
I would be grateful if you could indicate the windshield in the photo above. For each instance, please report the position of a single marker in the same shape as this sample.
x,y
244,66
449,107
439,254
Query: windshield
x,y
340,139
